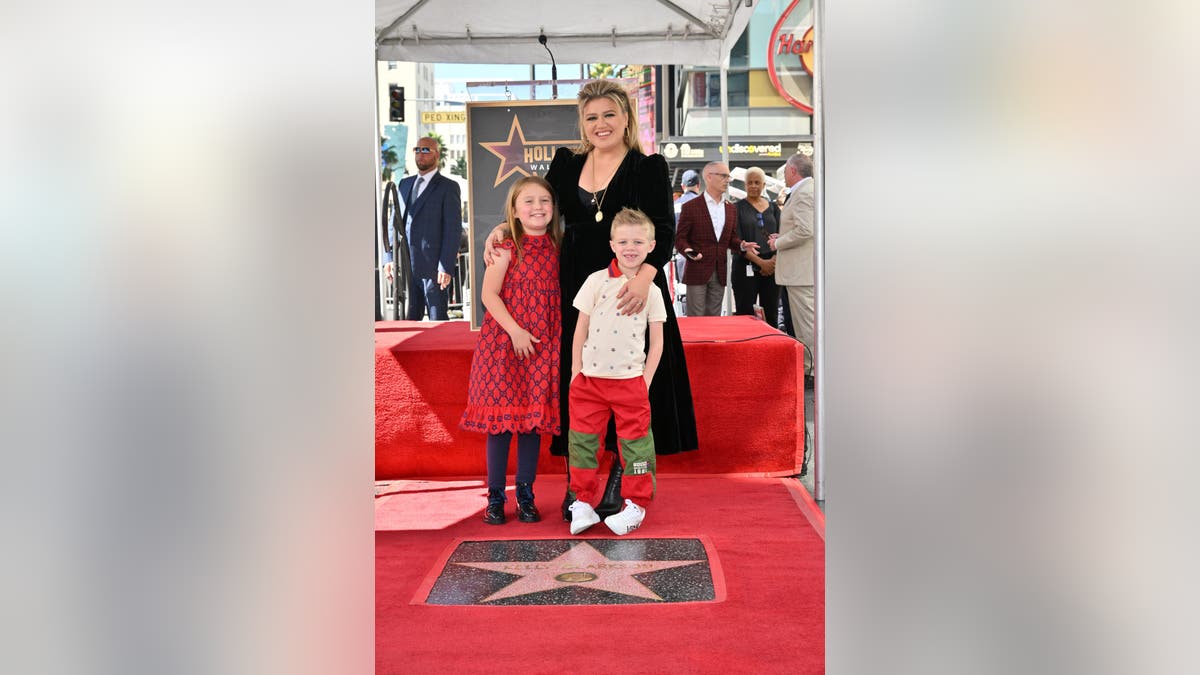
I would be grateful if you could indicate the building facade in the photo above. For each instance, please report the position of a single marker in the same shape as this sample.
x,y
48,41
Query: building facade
x,y
764,127
417,81
453,133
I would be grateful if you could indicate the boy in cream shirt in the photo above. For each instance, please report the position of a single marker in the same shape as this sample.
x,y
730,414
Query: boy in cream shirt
x,y
611,371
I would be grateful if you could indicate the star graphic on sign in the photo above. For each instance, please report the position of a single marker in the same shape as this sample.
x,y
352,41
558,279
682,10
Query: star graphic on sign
x,y
512,151
582,566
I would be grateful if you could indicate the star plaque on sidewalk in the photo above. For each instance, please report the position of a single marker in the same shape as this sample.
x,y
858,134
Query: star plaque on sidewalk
x,y
575,572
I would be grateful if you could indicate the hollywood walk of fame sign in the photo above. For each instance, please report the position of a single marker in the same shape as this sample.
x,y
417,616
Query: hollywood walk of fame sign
x,y
521,156
577,572
507,140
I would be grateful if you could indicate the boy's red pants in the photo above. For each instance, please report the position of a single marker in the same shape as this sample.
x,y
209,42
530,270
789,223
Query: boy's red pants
x,y
591,399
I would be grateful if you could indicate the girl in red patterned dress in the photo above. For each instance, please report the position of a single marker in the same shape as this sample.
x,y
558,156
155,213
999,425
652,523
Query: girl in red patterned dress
x,y
515,370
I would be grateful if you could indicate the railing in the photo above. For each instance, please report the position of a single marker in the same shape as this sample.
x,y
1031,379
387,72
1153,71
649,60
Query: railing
x,y
459,288
457,291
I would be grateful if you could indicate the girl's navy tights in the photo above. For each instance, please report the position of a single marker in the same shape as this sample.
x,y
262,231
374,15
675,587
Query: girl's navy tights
x,y
528,446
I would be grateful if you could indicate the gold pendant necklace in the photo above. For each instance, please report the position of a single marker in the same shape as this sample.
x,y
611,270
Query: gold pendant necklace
x,y
600,204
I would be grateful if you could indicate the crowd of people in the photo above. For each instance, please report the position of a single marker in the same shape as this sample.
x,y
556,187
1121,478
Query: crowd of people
x,y
580,341
762,234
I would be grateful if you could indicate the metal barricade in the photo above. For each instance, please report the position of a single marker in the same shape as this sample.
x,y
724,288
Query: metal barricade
x,y
460,288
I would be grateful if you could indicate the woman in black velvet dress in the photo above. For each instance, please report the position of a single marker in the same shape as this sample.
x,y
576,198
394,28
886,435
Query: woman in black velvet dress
x,y
606,173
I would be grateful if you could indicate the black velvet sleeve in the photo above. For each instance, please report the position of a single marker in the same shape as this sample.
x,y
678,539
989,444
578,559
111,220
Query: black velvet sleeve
x,y
654,199
554,175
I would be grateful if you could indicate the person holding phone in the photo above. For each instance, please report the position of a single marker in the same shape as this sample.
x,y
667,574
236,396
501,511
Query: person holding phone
x,y
707,227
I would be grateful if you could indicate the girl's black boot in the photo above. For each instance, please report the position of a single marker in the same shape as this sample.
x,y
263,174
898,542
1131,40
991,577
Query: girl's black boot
x,y
527,511
494,513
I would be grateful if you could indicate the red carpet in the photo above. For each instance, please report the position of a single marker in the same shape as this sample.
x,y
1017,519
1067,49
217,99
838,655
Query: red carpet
x,y
771,557
746,389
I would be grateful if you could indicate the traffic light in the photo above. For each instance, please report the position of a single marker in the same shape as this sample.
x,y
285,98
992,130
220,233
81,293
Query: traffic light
x,y
396,102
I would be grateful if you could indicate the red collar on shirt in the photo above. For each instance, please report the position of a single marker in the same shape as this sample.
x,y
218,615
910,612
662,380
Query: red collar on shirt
x,y
613,270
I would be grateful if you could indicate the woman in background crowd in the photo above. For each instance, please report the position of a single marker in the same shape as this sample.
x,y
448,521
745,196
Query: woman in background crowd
x,y
754,273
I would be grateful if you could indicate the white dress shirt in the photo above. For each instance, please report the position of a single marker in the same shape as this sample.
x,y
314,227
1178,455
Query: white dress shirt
x,y
716,211
418,187
796,186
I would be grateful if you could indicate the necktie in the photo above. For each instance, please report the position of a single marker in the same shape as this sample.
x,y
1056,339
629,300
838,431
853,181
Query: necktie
x,y
416,192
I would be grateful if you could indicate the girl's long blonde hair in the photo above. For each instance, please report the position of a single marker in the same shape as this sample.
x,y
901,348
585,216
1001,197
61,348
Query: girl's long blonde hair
x,y
515,228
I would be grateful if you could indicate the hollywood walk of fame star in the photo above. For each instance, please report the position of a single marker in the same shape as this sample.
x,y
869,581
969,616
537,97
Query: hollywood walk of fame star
x,y
582,565
512,152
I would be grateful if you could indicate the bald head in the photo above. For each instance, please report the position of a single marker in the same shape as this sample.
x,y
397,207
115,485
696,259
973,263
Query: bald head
x,y
427,160
716,179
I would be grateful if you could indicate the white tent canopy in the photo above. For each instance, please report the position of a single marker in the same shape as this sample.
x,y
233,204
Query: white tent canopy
x,y
687,32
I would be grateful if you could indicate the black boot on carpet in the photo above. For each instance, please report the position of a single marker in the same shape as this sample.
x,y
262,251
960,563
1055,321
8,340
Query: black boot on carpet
x,y
612,502
527,511
494,513
568,499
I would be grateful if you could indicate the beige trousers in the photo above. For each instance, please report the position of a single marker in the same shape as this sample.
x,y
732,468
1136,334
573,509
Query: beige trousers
x,y
801,302
705,299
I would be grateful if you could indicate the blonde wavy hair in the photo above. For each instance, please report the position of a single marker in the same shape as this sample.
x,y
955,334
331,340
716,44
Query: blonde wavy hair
x,y
597,89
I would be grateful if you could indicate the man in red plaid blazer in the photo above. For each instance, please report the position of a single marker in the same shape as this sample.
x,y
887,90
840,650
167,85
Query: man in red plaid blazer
x,y
707,227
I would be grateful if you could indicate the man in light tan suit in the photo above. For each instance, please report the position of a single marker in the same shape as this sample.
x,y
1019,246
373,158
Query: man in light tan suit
x,y
794,262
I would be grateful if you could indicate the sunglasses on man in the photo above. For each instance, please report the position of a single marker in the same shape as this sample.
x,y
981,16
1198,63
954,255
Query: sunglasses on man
x,y
422,150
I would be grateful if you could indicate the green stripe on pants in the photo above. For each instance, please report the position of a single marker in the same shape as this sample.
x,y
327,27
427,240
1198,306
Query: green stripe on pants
x,y
583,449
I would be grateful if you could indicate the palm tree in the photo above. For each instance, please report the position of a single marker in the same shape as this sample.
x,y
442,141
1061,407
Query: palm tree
x,y
388,158
460,167
601,70
441,148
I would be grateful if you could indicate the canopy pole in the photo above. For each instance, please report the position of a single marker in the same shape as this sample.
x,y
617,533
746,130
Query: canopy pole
x,y
819,250
381,235
727,299
725,111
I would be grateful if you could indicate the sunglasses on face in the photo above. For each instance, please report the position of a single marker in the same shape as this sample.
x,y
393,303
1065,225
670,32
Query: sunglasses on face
x,y
722,176
422,150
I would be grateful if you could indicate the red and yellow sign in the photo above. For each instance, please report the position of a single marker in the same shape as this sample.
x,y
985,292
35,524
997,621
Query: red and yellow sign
x,y
791,55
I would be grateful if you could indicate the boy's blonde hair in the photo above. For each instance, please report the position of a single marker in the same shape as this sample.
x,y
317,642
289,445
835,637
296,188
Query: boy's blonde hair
x,y
628,216
515,228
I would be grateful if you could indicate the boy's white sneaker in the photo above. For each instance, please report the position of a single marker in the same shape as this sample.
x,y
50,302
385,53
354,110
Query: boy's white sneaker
x,y
629,519
583,516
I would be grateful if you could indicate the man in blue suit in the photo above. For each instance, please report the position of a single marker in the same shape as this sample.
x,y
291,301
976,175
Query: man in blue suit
x,y
433,228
